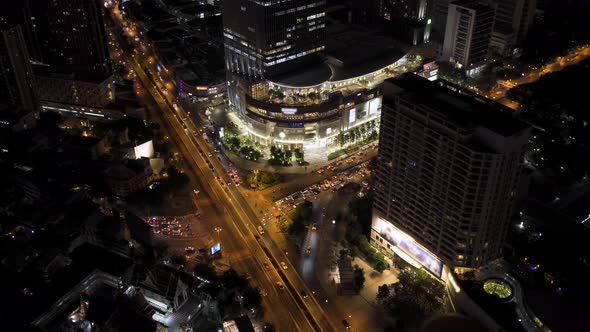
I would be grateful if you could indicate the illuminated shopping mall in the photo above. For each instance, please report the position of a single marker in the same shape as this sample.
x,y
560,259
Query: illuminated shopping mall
x,y
303,90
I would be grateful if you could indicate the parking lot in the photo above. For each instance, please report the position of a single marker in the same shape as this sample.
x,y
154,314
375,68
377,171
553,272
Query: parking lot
x,y
171,226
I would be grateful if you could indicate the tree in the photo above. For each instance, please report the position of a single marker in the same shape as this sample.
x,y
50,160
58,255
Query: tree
x,y
299,156
415,295
382,292
178,260
358,275
251,298
288,156
341,138
205,271
300,217
231,279
380,265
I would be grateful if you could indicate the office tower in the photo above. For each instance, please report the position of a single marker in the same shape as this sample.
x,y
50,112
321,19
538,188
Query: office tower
x,y
31,15
468,34
268,37
366,12
448,169
408,19
515,16
77,38
68,35
16,73
439,11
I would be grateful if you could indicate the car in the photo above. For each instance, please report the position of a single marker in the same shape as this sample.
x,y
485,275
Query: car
x,y
266,266
189,250
346,324
314,226
303,294
209,155
284,265
308,251
280,285
260,230
248,276
263,293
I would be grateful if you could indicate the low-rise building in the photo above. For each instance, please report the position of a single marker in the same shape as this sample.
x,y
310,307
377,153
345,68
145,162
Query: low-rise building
x,y
129,177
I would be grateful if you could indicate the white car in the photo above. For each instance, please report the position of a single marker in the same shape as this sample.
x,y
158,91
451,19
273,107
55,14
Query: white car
x,y
284,265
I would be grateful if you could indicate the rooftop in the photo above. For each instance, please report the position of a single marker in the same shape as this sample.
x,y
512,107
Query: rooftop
x,y
354,51
351,51
65,74
460,106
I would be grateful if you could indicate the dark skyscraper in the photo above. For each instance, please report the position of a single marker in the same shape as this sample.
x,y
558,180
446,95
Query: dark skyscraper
x,y
270,37
68,35
448,173
77,38
16,74
408,19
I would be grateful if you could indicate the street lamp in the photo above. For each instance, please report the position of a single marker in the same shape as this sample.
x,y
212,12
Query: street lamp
x,y
282,134
218,230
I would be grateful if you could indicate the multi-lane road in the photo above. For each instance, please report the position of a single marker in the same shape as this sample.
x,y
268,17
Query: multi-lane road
x,y
286,306
239,223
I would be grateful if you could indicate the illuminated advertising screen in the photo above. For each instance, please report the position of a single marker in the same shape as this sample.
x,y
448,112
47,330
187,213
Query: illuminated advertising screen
x,y
288,111
352,115
408,246
215,249
374,105
144,150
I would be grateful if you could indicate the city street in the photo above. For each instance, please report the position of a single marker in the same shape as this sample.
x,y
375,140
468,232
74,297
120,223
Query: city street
x,y
575,56
238,223
239,246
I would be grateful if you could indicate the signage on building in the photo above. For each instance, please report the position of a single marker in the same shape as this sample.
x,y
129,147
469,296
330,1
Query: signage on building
x,y
288,111
410,247
352,115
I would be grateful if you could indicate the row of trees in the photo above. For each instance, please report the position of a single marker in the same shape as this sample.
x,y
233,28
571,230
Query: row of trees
x,y
358,231
261,179
282,157
300,218
245,148
360,134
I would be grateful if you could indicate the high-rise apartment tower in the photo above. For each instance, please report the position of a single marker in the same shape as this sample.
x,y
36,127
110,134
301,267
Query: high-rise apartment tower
x,y
449,168
468,34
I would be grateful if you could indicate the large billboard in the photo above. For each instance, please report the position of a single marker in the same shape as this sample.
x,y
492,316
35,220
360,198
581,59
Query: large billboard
x,y
215,249
352,115
404,242
374,105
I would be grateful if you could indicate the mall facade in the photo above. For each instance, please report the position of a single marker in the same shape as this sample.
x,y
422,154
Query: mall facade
x,y
304,116
289,85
